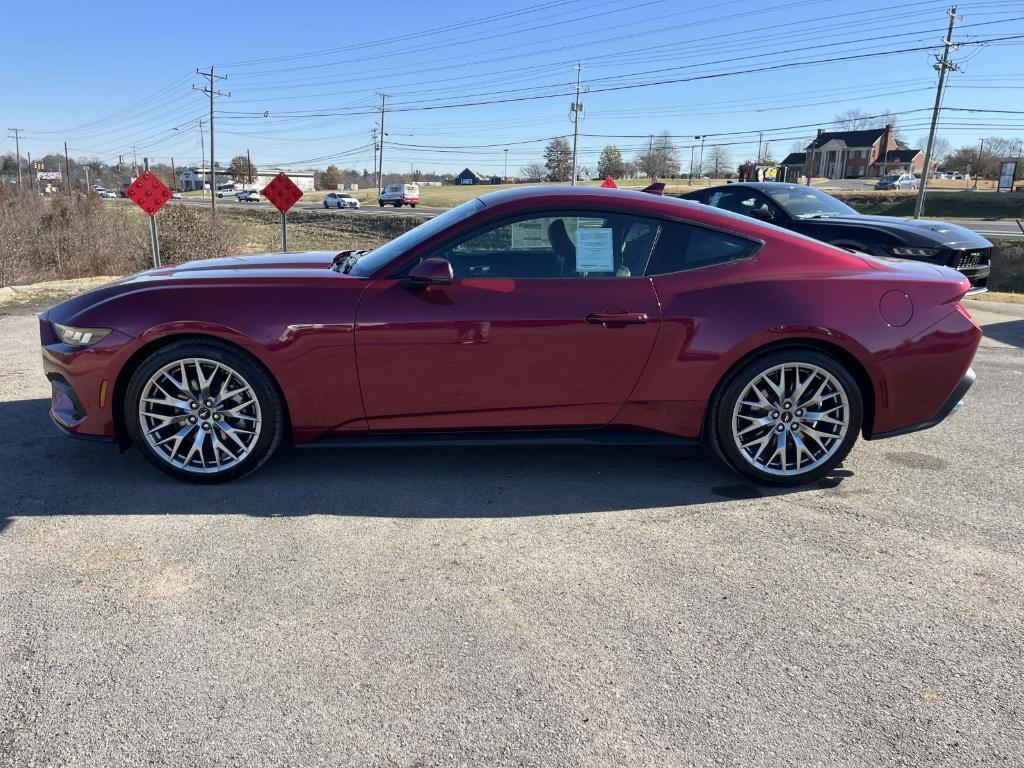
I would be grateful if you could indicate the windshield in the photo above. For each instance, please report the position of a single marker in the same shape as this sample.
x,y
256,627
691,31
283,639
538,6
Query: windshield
x,y
891,177
391,250
808,202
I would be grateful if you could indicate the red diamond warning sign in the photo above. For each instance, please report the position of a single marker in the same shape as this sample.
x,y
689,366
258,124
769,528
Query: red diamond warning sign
x,y
148,192
282,192
609,183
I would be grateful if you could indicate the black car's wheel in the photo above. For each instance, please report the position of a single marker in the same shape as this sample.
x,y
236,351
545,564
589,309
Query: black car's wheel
x,y
204,412
788,417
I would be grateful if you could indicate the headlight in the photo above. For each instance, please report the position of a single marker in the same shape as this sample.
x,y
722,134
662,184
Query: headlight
x,y
79,337
914,252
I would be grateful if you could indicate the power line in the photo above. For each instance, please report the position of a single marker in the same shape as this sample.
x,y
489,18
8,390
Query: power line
x,y
211,91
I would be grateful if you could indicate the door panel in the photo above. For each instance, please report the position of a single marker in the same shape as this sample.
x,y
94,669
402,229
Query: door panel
x,y
505,352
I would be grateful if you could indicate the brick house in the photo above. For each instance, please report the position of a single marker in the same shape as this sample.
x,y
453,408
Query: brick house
x,y
872,152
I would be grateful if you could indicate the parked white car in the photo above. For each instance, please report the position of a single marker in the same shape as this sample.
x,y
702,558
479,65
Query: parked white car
x,y
340,200
226,191
106,193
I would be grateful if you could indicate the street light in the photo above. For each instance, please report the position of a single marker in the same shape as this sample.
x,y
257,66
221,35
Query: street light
x,y
700,162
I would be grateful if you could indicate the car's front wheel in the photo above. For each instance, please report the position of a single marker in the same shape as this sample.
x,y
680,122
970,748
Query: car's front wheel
x,y
788,417
203,411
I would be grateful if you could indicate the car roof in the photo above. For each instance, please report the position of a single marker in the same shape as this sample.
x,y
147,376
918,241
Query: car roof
x,y
566,195
764,186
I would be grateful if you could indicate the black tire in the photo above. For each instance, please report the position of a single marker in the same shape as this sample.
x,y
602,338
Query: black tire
x,y
271,408
412,205
380,203
720,417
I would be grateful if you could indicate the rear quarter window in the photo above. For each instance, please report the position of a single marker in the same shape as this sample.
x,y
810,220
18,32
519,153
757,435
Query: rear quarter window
x,y
681,247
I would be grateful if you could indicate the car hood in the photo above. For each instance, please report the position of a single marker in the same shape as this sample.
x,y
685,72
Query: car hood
x,y
262,265
920,231
272,268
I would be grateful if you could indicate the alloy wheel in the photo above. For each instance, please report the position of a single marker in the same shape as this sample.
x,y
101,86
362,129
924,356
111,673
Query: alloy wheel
x,y
200,415
791,419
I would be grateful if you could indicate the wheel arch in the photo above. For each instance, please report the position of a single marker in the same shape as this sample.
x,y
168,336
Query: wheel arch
x,y
844,356
124,376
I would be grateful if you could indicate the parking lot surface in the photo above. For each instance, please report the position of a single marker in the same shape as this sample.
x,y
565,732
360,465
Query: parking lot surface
x,y
533,607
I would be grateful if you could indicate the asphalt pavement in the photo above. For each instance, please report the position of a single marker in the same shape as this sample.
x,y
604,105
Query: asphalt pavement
x,y
515,606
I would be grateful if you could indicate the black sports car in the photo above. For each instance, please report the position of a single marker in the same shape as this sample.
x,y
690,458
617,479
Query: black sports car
x,y
811,212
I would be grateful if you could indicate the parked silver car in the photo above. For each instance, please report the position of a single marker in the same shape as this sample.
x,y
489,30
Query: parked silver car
x,y
897,181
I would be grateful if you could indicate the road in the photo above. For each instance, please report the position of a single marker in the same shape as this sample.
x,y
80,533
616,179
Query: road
x,y
527,607
998,228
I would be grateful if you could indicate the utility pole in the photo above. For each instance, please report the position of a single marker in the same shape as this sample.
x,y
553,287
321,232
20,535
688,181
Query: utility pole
x,y
576,109
15,133
211,91
760,137
504,179
135,162
67,167
700,162
248,164
373,134
380,163
174,176
31,174
689,181
650,155
202,156
87,187
943,65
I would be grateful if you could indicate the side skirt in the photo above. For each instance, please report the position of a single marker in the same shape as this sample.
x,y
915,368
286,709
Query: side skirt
x,y
500,438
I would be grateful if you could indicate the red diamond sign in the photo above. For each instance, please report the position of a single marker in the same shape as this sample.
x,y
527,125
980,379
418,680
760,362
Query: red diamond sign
x,y
148,192
282,192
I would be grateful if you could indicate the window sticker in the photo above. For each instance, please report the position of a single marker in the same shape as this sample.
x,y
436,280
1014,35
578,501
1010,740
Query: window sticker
x,y
530,234
594,250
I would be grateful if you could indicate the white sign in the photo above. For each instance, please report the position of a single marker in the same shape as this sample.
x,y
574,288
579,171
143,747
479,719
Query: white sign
x,y
594,250
532,233
1007,172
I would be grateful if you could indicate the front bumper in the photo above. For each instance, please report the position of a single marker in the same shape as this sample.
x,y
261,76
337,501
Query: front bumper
x,y
82,382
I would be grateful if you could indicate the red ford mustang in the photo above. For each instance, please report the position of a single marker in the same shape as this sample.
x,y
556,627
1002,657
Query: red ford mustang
x,y
547,315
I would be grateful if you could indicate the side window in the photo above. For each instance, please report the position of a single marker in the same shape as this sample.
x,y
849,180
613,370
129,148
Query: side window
x,y
683,246
556,244
742,201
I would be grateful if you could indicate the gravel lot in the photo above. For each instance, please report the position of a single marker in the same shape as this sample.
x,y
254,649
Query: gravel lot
x,y
534,607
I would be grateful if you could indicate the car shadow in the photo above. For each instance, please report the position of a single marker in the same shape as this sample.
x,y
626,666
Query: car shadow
x,y
46,474
1008,332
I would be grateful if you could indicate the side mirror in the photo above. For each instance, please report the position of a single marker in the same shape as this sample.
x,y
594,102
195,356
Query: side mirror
x,y
435,271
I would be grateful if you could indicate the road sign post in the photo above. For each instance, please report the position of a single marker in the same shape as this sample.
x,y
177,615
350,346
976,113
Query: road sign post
x,y
283,194
150,194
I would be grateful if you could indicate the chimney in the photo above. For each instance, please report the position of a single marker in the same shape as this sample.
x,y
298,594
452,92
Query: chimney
x,y
821,131
887,139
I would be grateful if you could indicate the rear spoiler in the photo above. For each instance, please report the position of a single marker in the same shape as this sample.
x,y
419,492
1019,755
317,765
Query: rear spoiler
x,y
657,188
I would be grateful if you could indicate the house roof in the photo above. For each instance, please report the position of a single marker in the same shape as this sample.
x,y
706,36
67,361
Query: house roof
x,y
901,155
795,158
469,172
850,138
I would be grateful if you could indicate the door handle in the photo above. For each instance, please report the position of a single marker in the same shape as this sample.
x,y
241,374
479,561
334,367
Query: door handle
x,y
614,317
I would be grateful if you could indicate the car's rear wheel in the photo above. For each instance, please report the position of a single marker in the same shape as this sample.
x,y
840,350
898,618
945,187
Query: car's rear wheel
x,y
788,417
203,411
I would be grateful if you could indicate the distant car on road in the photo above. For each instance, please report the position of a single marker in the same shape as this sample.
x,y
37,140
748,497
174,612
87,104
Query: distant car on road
x,y
226,191
816,214
897,181
340,200
399,195
248,196
106,193
175,194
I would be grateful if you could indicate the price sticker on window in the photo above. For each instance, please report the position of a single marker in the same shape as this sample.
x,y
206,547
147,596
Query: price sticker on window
x,y
594,250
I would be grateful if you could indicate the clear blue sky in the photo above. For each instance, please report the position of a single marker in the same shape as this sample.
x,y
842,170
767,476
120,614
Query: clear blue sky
x,y
76,69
